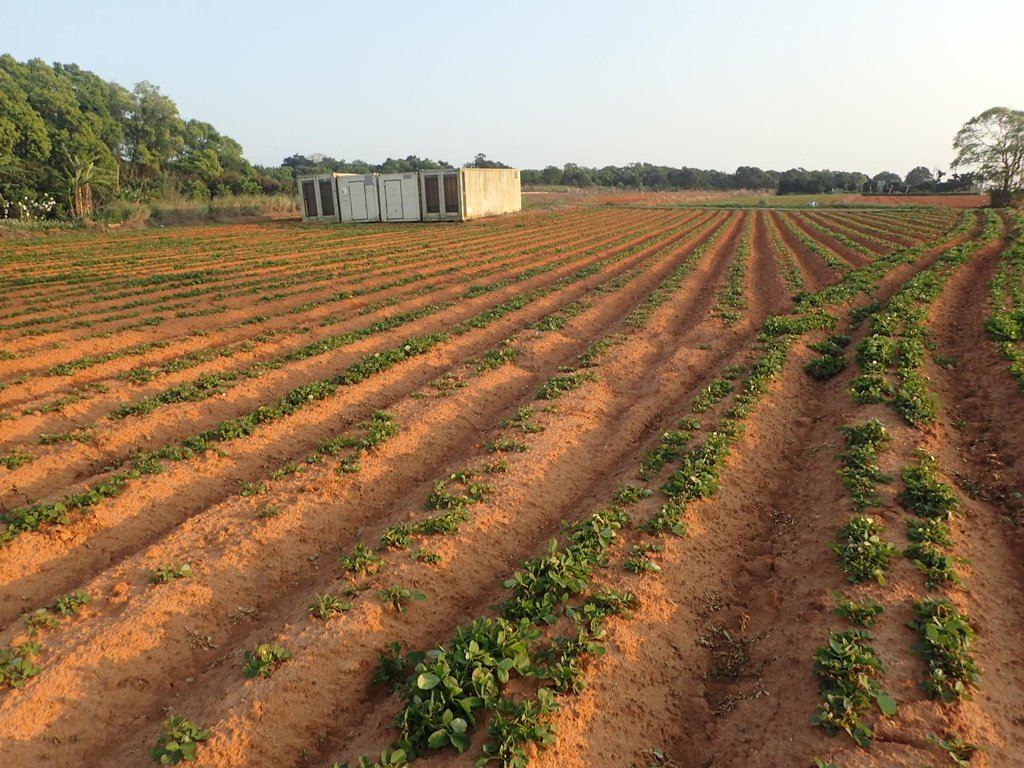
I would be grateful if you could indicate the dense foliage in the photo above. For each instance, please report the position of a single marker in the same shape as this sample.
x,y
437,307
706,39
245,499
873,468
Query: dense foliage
x,y
71,141
993,144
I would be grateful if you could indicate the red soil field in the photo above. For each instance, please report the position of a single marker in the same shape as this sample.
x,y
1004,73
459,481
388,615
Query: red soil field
x,y
332,448
947,201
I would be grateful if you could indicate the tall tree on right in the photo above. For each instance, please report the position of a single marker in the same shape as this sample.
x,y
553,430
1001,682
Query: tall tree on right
x,y
993,145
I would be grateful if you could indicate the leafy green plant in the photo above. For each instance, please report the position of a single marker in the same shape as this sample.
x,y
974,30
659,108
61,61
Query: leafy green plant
x,y
349,465
517,724
496,467
862,553
655,459
166,573
70,604
388,759
631,494
933,531
399,597
924,494
179,741
325,606
446,688
638,561
523,420
860,472
711,394
14,459
426,557
268,512
864,613
253,489
937,567
16,665
506,445
393,666
697,476
362,560
668,519
959,751
825,367
263,659
846,669
945,640
564,382
41,618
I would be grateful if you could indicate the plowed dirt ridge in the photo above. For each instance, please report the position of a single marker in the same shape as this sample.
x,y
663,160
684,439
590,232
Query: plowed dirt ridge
x,y
199,426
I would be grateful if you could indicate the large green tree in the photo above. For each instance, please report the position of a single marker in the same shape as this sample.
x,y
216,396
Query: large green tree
x,y
992,144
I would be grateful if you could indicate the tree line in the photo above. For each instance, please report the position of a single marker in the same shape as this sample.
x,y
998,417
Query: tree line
x,y
71,141
795,181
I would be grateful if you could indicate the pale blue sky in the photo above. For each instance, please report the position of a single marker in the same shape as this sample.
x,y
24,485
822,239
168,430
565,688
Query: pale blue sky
x,y
866,86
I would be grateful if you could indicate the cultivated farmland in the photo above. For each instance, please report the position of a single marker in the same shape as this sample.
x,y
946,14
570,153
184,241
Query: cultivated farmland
x,y
652,486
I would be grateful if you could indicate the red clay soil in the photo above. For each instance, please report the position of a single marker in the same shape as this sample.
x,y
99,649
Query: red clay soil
x,y
713,669
946,201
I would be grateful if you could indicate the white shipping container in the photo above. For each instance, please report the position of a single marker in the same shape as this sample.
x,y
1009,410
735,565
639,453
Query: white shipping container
x,y
399,196
357,197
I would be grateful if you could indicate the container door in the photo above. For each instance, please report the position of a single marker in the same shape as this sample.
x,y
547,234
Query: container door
x,y
309,199
431,194
357,198
451,195
393,208
327,209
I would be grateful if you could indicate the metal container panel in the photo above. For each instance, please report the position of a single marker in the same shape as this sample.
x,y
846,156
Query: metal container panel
x,y
399,196
357,197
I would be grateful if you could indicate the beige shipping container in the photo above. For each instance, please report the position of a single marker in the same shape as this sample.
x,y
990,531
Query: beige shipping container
x,y
460,194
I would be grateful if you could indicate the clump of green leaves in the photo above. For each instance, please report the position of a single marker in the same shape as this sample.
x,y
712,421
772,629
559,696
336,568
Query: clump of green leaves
x,y
831,360
945,640
672,444
14,459
393,666
506,445
925,495
864,613
862,553
178,742
70,604
860,472
264,658
523,420
268,512
631,494
638,560
423,556
253,489
846,669
16,665
959,751
325,606
517,724
362,560
496,467
399,597
564,382
697,476
713,393
937,567
668,519
166,573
